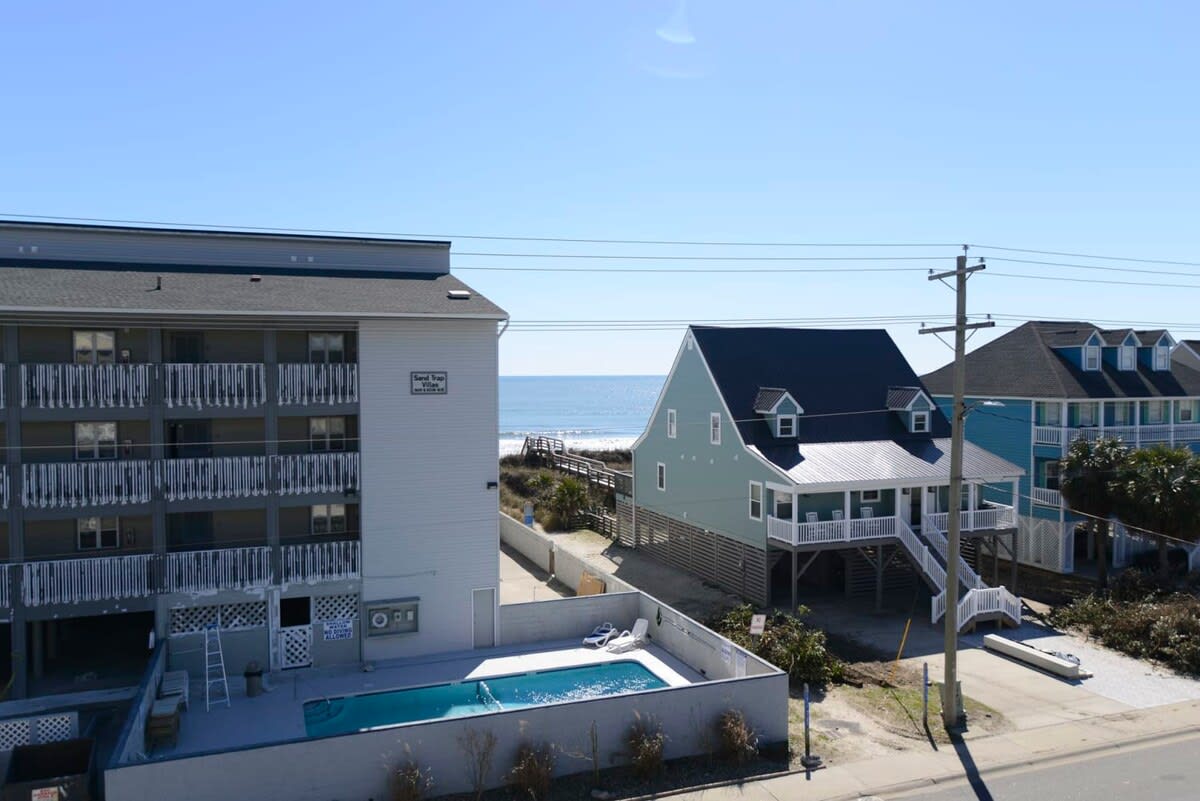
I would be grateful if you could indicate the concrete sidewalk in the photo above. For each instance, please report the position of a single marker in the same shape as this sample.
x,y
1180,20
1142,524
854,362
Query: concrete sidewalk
x,y
969,759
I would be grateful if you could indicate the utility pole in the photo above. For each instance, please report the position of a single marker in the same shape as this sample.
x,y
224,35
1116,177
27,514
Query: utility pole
x,y
952,711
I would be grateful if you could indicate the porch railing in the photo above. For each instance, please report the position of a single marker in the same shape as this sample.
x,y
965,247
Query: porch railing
x,y
989,518
1047,435
1135,435
308,384
318,472
988,601
218,477
859,528
201,386
936,537
107,578
1046,497
85,386
217,569
57,485
321,561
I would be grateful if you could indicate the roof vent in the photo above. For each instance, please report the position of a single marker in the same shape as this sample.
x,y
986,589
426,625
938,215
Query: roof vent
x,y
256,278
459,294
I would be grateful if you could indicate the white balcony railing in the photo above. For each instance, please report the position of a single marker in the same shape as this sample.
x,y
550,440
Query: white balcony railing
x,y
318,473
2,383
202,386
1046,497
58,485
830,530
988,601
986,519
85,386
1048,435
1135,435
100,578
309,384
321,561
3,486
216,477
217,569
937,539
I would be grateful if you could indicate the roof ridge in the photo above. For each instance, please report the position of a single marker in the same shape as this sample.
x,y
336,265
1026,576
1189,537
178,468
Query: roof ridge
x,y
1047,357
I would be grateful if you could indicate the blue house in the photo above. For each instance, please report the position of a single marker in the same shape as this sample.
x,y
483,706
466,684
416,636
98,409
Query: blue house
x,y
780,455
1060,381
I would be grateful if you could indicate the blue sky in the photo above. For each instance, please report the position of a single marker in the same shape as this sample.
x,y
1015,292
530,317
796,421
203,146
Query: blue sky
x,y
1063,126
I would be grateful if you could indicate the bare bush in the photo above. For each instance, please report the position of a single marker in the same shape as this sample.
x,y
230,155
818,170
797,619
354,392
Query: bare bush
x,y
533,771
410,783
479,748
739,742
646,743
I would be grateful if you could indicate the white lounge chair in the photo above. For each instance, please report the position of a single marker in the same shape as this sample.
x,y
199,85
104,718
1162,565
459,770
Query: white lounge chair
x,y
601,635
628,640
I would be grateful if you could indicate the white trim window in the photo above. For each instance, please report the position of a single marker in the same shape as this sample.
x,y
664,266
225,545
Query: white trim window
x,y
661,477
327,348
787,425
98,533
328,518
326,434
94,347
870,496
1187,411
1127,357
672,424
714,428
920,422
1162,357
756,500
1155,412
1091,357
1121,413
95,441
1085,414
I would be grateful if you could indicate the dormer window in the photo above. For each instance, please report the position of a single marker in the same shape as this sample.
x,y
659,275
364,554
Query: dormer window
x,y
787,425
920,422
1127,357
1162,357
1091,357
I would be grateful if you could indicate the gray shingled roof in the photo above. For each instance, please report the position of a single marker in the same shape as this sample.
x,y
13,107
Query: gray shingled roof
x,y
766,399
1024,364
887,461
47,290
899,397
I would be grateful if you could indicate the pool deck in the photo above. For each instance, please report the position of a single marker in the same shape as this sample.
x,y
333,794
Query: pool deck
x,y
278,715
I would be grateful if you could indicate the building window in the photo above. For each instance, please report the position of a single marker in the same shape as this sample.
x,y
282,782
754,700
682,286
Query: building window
x,y
1091,357
1051,472
870,496
329,518
783,505
1187,411
1120,414
95,440
671,423
662,477
1086,414
327,434
787,425
1155,412
756,490
714,428
1050,414
1162,357
920,422
329,348
1127,357
94,533
95,347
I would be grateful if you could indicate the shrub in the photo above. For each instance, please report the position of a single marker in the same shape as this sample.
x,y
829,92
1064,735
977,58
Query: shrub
x,y
739,743
533,770
569,498
410,783
1157,626
646,743
787,642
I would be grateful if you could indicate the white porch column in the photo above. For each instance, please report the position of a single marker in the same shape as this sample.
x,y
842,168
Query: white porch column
x,y
1137,424
1064,421
795,541
972,505
1100,422
846,515
1016,497
1171,418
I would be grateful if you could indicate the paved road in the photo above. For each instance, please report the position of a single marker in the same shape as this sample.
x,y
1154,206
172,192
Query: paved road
x,y
1164,771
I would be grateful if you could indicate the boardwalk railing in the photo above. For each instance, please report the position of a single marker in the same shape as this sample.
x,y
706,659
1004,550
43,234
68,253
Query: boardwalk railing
x,y
322,561
85,386
202,386
309,384
554,453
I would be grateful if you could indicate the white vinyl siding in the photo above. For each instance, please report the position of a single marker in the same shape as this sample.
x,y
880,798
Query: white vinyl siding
x,y
756,500
714,428
672,423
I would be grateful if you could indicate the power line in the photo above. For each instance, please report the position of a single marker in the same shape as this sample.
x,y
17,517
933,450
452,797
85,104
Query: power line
x,y
1144,271
1089,256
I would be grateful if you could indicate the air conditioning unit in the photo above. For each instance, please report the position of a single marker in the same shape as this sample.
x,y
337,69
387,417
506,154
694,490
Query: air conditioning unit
x,y
400,616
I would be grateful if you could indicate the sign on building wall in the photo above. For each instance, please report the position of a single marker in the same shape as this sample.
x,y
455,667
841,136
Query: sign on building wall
x,y
428,383
339,629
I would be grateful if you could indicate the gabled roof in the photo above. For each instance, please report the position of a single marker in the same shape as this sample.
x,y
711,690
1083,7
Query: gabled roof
x,y
1117,336
900,398
1024,363
841,378
768,398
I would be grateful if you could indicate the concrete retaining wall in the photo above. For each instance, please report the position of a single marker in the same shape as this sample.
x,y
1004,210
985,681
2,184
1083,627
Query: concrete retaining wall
x,y
566,618
540,549
133,734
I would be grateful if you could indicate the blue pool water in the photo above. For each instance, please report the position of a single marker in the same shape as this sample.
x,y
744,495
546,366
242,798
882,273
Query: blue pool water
x,y
357,712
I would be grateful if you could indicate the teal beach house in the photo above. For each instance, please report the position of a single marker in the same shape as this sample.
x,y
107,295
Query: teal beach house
x,y
779,461
1059,381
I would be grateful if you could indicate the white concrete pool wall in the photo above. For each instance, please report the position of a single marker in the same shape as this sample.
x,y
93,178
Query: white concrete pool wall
x,y
540,549
355,766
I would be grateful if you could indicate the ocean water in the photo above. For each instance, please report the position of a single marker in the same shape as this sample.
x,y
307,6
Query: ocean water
x,y
584,411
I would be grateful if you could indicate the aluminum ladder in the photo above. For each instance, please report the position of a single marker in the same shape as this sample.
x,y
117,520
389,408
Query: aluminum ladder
x,y
216,688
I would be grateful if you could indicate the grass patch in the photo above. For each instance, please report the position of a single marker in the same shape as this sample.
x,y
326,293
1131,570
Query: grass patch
x,y
899,710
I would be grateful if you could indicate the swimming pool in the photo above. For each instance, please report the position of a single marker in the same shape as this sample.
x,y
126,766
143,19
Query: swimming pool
x,y
358,712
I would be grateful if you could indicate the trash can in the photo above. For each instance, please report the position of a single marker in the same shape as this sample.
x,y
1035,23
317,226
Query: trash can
x,y
253,674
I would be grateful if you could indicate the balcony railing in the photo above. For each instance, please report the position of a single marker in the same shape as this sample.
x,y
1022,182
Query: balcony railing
x,y
59,485
85,386
1046,497
859,528
311,384
217,569
318,473
987,519
203,386
2,383
219,477
3,486
1136,435
66,581
321,561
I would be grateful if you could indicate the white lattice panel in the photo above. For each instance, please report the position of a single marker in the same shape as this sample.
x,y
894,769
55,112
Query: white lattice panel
x,y
13,733
1044,544
297,646
249,615
55,728
335,607
192,619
